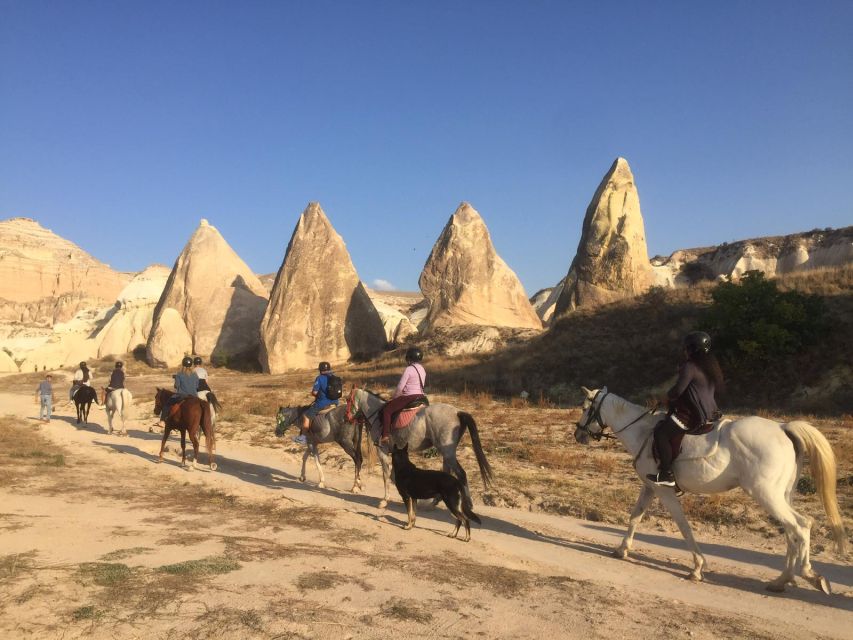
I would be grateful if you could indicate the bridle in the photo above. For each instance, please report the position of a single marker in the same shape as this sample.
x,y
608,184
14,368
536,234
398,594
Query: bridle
x,y
595,414
359,415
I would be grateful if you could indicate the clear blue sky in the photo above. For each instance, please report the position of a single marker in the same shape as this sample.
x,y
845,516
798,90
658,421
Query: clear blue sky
x,y
124,123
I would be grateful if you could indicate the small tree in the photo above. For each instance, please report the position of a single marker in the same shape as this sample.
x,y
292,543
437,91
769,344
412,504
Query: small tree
x,y
754,324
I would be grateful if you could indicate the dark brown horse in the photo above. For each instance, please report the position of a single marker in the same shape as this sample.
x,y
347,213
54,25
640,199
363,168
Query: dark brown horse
x,y
187,415
83,398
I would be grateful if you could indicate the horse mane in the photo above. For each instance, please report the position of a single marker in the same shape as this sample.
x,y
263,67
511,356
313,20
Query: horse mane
x,y
376,395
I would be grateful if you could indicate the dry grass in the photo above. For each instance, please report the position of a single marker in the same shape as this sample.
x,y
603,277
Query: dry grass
x,y
406,610
24,452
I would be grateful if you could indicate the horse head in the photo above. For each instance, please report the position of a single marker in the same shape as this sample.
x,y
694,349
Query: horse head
x,y
160,398
284,417
584,428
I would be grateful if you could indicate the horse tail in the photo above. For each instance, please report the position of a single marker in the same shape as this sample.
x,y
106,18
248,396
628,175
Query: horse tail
x,y
372,458
466,420
211,398
207,427
468,508
822,461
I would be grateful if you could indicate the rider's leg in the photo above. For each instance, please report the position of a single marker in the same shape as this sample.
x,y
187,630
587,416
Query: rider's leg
x,y
663,433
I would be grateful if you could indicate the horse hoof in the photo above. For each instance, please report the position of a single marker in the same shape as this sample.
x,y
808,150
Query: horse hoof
x,y
775,587
213,466
150,429
355,489
823,584
408,526
301,478
383,504
695,577
322,485
620,553
159,460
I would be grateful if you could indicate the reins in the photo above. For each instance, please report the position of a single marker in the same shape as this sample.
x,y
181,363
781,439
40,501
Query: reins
x,y
595,414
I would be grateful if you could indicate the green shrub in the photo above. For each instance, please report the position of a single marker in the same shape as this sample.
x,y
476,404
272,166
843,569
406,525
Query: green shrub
x,y
755,325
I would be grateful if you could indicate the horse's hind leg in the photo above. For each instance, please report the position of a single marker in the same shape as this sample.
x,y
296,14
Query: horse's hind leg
x,y
798,536
305,455
667,497
194,440
183,447
637,514
451,465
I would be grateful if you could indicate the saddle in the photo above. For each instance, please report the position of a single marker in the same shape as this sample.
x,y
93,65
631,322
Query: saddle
x,y
403,418
701,444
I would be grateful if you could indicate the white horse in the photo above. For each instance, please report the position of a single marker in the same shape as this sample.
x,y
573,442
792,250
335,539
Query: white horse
x,y
761,456
117,402
438,425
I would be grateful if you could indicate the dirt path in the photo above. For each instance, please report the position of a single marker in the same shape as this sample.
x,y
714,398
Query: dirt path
x,y
110,544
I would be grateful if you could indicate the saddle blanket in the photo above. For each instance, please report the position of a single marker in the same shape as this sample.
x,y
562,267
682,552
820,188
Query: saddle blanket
x,y
696,446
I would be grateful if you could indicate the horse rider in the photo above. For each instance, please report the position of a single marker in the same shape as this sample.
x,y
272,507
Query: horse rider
x,y
82,377
692,406
186,386
321,401
201,372
116,380
409,389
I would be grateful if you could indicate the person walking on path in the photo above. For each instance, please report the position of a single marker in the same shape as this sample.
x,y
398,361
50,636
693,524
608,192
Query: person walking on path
x,y
44,396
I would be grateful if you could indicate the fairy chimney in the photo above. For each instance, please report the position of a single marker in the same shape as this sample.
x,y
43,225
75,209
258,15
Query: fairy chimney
x,y
319,309
212,305
612,261
466,282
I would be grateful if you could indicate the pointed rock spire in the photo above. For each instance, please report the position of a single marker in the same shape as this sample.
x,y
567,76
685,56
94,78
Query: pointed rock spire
x,y
612,260
466,282
212,304
319,309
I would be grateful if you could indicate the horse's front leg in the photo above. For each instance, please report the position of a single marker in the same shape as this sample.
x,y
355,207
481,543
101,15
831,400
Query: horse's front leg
x,y
352,452
315,453
386,472
166,431
673,505
643,500
183,448
305,455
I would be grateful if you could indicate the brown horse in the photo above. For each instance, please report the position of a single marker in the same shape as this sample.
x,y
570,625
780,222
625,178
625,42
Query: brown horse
x,y
189,414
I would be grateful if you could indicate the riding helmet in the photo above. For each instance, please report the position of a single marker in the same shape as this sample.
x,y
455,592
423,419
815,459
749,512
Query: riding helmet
x,y
187,362
197,360
325,366
414,354
697,342
119,365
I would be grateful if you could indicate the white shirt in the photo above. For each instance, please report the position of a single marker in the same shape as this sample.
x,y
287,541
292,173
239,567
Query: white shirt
x,y
78,377
201,372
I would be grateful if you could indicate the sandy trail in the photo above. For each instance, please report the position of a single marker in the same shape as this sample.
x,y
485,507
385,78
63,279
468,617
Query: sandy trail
x,y
557,575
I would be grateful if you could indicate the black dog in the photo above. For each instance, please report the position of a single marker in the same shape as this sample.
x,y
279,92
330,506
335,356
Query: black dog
x,y
416,484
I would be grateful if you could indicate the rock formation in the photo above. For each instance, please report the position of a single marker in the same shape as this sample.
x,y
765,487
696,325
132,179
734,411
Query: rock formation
x,y
774,255
46,279
612,261
211,306
466,282
319,309
129,324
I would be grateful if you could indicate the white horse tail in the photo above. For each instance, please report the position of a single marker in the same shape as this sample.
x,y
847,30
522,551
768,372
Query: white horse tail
x,y
207,428
126,399
822,461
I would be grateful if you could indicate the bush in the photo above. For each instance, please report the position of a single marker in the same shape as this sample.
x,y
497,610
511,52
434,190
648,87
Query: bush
x,y
755,325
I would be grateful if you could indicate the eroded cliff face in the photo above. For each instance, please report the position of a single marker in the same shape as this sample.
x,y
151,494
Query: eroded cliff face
x,y
211,306
45,279
612,260
319,309
465,281
774,255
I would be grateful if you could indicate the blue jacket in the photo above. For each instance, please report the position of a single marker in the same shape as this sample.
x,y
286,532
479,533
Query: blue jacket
x,y
320,386
186,384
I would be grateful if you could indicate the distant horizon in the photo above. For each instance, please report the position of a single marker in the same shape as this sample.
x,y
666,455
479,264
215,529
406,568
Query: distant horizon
x,y
372,285
130,122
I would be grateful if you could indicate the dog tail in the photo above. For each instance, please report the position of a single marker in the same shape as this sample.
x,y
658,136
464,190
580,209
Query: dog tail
x,y
466,420
468,508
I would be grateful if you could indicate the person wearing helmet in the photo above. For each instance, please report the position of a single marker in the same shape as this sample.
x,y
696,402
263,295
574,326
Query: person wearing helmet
x,y
409,389
201,372
82,377
116,380
186,386
692,406
321,400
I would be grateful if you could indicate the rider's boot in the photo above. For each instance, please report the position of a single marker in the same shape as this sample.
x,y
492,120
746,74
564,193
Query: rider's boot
x,y
663,478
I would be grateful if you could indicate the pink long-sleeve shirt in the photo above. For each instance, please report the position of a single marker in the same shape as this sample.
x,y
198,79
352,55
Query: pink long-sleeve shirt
x,y
409,384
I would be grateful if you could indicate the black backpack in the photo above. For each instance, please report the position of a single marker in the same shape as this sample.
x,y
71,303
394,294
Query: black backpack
x,y
334,386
